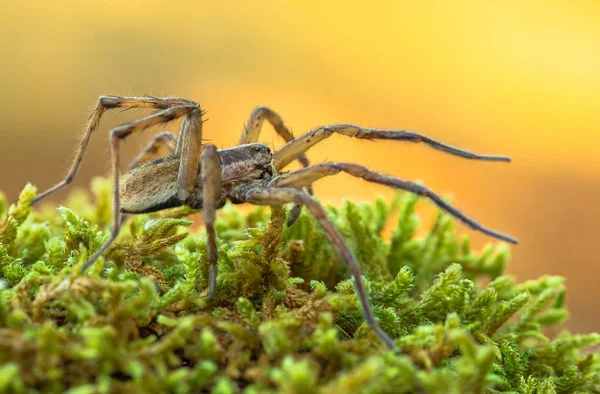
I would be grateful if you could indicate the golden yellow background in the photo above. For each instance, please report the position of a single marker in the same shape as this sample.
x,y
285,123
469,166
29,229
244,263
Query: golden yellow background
x,y
520,78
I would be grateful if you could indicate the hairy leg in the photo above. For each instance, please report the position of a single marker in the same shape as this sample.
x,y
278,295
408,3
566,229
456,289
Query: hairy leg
x,y
253,128
251,133
165,138
211,189
296,148
189,148
279,196
116,135
105,103
313,173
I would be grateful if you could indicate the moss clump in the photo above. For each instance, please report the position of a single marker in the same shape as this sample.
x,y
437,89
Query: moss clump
x,y
285,319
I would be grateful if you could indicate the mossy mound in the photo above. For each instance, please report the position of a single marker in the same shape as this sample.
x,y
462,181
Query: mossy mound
x,y
285,319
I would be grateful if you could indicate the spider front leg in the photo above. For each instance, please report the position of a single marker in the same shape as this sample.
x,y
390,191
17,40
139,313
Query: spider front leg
x,y
279,196
105,103
253,128
252,131
313,173
296,148
121,132
211,192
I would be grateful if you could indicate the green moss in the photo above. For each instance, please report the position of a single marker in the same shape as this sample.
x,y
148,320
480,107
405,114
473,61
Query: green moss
x,y
285,319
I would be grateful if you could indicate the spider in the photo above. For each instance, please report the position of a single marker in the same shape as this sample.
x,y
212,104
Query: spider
x,y
204,177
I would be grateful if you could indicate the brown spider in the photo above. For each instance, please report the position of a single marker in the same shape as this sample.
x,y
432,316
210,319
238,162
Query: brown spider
x,y
202,176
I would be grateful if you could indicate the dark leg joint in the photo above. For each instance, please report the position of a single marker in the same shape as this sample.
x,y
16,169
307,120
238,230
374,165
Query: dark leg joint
x,y
120,133
294,214
110,101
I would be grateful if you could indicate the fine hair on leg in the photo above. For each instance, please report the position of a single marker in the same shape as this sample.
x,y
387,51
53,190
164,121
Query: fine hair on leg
x,y
313,173
105,103
296,148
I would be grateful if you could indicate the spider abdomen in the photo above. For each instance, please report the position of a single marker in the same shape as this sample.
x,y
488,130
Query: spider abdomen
x,y
151,187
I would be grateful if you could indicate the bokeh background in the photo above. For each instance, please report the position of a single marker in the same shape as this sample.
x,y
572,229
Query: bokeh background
x,y
515,77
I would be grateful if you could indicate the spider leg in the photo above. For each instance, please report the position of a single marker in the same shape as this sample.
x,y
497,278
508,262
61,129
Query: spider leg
x,y
105,103
253,128
165,138
116,135
252,131
211,188
189,148
311,174
294,149
279,196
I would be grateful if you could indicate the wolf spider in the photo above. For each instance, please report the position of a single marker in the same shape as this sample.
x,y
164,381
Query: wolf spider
x,y
202,176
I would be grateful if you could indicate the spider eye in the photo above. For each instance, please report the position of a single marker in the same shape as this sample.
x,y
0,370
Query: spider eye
x,y
262,148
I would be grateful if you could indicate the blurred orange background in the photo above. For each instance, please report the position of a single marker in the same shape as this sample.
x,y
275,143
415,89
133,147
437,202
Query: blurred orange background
x,y
512,77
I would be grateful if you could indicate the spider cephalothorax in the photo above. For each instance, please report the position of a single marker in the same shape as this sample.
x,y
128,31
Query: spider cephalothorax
x,y
202,176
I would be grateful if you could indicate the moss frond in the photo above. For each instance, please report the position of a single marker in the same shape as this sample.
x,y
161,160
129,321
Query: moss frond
x,y
286,318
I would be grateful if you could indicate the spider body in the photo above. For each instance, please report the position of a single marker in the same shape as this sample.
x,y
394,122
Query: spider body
x,y
202,176
152,186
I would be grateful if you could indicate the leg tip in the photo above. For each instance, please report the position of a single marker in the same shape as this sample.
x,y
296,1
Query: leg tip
x,y
508,239
504,159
